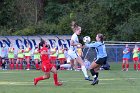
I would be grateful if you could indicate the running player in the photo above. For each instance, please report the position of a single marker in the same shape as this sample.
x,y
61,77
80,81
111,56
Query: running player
x,y
100,59
126,57
47,67
72,52
11,56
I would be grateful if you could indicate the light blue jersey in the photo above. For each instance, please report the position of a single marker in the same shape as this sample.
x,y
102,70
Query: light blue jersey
x,y
100,49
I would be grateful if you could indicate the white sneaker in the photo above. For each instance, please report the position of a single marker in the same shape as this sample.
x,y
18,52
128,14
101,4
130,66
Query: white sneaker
x,y
28,69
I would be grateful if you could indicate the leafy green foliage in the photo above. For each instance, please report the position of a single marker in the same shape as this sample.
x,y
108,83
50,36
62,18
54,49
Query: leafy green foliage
x,y
116,19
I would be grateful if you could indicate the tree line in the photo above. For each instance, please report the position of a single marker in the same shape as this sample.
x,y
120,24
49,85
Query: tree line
x,y
118,20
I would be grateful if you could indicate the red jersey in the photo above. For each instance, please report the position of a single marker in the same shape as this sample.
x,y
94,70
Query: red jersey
x,y
45,57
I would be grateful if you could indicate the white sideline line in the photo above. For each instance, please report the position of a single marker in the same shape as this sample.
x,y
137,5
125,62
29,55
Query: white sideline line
x,y
44,83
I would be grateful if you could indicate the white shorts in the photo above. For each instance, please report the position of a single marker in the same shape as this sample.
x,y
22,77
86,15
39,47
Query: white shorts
x,y
72,54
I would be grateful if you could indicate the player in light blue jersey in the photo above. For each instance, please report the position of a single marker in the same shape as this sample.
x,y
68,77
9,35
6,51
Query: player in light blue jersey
x,y
100,59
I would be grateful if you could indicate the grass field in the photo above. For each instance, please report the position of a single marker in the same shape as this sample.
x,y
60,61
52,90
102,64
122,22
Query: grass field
x,y
113,81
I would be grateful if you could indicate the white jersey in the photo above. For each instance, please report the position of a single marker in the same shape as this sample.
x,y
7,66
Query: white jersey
x,y
75,39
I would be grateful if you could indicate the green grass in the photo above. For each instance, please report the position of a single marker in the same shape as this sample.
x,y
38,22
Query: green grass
x,y
113,81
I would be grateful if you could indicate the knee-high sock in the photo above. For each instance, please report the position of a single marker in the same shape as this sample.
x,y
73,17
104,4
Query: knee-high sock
x,y
55,77
17,66
28,66
37,66
39,78
127,66
139,66
135,66
123,65
94,74
84,71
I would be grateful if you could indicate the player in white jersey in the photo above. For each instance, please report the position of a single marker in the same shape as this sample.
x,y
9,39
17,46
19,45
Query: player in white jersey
x,y
72,52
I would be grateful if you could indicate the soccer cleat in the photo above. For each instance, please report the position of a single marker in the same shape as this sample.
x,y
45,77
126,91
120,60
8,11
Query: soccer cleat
x,y
58,84
95,82
88,78
35,82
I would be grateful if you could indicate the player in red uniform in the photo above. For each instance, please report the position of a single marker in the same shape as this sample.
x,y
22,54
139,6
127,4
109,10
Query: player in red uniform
x,y
47,67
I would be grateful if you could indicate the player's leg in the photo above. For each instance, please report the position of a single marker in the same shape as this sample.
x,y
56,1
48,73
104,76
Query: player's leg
x,y
127,65
94,67
123,65
134,66
17,63
55,76
46,76
37,64
84,70
28,62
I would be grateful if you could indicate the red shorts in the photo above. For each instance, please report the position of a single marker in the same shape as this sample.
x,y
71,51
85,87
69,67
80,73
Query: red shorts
x,y
53,58
126,59
135,59
27,57
20,58
62,59
47,67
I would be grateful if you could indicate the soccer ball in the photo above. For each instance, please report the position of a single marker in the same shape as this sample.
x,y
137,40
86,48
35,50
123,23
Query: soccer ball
x,y
86,39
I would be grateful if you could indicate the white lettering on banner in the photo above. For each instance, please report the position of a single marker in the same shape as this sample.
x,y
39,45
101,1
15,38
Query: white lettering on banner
x,y
34,40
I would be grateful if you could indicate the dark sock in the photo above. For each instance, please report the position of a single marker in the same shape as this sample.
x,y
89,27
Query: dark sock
x,y
92,72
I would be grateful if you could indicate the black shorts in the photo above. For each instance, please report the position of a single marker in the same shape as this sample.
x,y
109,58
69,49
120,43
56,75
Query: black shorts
x,y
101,61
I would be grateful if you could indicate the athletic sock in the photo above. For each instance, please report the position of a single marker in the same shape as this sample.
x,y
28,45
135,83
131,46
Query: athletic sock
x,y
28,66
16,66
37,66
55,77
84,71
123,66
39,78
135,66
139,66
94,74
127,66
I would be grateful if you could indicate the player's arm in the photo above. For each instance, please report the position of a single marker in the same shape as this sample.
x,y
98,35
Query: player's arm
x,y
74,44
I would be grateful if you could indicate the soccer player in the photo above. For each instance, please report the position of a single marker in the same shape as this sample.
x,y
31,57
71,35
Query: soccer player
x,y
126,57
11,56
135,58
4,54
20,57
37,57
47,67
100,59
72,52
27,54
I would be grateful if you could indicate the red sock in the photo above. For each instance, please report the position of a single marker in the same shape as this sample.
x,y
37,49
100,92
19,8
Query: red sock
x,y
28,66
21,66
139,66
39,78
16,66
55,78
127,66
37,66
123,66
12,66
135,66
